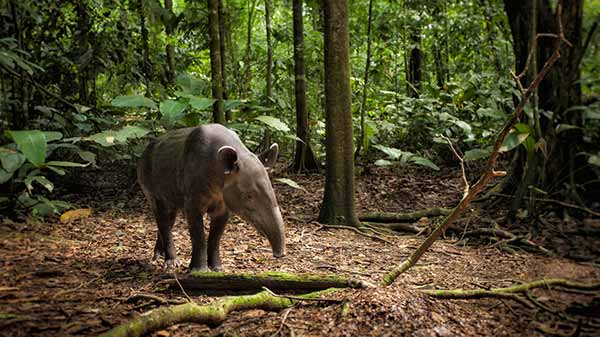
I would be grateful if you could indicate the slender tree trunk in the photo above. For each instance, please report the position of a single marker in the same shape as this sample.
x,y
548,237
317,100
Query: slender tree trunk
x,y
215,60
338,201
147,64
363,101
269,75
223,36
304,158
414,65
83,26
170,49
247,59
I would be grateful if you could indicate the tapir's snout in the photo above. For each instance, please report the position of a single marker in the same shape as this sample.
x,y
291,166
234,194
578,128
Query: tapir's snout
x,y
276,234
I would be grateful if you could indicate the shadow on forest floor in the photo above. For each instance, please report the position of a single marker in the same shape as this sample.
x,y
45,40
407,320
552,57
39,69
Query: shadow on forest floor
x,y
77,278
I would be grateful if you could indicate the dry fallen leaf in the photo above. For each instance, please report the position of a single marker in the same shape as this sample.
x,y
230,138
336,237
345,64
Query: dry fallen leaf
x,y
75,214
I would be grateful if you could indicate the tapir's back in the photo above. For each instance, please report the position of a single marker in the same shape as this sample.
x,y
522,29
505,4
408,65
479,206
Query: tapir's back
x,y
161,168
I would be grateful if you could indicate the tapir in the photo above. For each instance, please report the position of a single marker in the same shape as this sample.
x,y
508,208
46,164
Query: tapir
x,y
207,169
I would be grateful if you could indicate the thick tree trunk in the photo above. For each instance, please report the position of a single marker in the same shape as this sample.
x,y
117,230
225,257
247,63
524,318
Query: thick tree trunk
x,y
559,91
338,201
215,60
170,48
363,101
304,158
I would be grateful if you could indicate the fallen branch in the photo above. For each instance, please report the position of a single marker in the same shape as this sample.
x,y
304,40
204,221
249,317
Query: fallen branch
x,y
507,237
359,231
404,217
489,171
515,292
219,282
211,314
398,227
558,202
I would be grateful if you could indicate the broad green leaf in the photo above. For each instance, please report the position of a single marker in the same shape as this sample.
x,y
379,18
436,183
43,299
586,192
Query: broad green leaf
x,y
383,162
201,103
111,137
594,159
274,123
172,111
189,84
522,128
476,154
57,170
39,179
33,145
424,162
5,176
11,159
564,127
290,183
231,104
463,125
393,153
513,140
66,164
87,156
133,101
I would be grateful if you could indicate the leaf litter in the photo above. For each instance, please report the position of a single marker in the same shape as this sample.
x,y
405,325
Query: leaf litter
x,y
84,276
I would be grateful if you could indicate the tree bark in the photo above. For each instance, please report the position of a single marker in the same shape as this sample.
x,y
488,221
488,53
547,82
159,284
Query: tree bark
x,y
338,201
363,101
211,281
248,57
223,36
215,60
269,74
414,77
146,63
304,158
170,48
210,314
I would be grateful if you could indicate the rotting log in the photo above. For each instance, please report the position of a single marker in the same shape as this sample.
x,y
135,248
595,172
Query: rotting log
x,y
210,314
404,217
219,282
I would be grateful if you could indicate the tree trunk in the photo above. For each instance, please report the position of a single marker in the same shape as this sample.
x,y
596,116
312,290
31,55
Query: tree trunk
x,y
338,200
559,91
414,65
247,59
146,63
215,60
170,48
269,75
223,35
304,158
83,27
363,101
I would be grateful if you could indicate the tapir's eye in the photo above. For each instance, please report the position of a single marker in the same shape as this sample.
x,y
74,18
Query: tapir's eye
x,y
249,197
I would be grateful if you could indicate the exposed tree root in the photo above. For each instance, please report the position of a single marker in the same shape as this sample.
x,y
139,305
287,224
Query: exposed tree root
x,y
225,282
211,314
399,227
514,292
507,237
358,230
404,217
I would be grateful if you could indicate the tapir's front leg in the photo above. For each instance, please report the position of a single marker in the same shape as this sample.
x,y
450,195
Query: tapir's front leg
x,y
217,227
196,228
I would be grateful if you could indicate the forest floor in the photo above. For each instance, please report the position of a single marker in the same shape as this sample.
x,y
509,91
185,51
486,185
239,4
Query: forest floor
x,y
78,278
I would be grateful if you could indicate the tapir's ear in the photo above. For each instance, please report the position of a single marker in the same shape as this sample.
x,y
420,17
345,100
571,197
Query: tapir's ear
x,y
228,157
269,157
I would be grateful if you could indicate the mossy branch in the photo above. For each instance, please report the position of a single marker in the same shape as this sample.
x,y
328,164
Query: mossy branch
x,y
219,282
513,291
211,314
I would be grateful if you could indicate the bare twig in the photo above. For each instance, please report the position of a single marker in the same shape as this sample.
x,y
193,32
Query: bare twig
x,y
181,287
285,315
358,231
462,165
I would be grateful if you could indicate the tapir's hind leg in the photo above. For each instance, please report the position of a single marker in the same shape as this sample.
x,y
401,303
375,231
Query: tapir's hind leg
x,y
165,217
217,227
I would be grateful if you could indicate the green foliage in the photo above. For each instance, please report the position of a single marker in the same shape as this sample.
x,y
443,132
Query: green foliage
x,y
403,157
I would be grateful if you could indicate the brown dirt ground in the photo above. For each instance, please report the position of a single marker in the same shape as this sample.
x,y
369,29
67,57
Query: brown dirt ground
x,y
75,279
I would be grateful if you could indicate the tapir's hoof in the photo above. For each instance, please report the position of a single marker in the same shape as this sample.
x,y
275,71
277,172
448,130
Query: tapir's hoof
x,y
216,268
199,270
174,263
157,256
